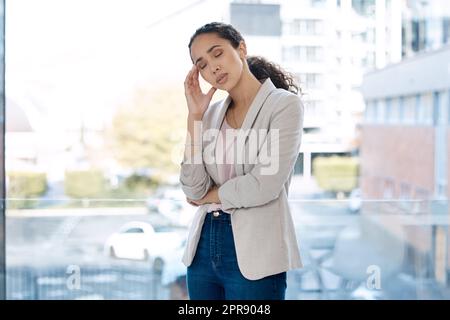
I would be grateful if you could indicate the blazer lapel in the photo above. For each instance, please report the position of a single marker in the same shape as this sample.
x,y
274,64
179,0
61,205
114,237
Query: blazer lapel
x,y
216,122
261,96
263,93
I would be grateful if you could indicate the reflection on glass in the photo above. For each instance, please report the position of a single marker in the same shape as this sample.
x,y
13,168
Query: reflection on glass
x,y
351,249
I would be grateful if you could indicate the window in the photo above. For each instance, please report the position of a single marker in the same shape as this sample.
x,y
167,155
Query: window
x,y
303,54
314,54
440,144
291,54
367,112
375,111
409,110
314,109
311,80
401,109
419,39
425,109
371,112
418,99
446,30
308,27
256,18
394,112
387,110
441,108
381,110
364,7
436,106
429,110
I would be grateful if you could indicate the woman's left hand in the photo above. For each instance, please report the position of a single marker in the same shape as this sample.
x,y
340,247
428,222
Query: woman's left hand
x,y
211,197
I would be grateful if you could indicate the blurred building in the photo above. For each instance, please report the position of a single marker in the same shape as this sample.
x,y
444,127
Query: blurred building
x,y
327,45
405,151
405,137
261,26
32,145
426,25
20,142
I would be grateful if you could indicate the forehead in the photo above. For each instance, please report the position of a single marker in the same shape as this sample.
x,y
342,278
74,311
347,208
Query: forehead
x,y
203,42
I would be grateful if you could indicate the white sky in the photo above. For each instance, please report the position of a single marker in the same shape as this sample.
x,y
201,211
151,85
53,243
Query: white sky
x,y
74,56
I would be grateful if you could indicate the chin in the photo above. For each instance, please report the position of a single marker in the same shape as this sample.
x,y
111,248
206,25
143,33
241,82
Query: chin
x,y
228,86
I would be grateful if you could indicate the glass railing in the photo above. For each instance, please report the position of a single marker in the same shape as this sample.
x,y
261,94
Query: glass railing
x,y
355,249
96,249
132,249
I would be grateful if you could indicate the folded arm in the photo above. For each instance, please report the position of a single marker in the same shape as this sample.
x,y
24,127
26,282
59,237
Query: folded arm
x,y
262,184
195,181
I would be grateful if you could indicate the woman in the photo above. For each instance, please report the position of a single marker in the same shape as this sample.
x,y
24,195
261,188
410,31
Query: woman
x,y
242,239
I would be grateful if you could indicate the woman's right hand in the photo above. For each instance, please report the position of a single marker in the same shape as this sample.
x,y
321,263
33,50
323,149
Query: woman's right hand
x,y
197,101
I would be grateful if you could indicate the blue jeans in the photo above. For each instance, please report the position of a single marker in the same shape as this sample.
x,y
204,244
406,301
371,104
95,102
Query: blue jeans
x,y
214,273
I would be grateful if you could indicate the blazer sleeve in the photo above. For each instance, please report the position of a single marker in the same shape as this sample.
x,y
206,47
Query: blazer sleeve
x,y
256,187
195,181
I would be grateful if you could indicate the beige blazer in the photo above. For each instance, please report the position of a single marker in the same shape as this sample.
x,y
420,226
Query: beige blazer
x,y
262,225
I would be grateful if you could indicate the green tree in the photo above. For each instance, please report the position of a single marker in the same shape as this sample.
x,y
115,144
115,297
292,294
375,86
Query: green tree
x,y
146,129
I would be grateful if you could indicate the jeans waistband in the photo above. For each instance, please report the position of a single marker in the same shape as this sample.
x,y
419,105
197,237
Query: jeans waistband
x,y
218,215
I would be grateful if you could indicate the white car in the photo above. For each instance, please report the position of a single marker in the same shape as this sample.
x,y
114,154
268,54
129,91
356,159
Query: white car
x,y
139,241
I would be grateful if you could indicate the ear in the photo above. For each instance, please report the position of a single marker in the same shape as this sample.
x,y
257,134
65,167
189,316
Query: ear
x,y
242,49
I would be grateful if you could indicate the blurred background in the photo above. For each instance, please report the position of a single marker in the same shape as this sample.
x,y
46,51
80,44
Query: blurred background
x,y
96,122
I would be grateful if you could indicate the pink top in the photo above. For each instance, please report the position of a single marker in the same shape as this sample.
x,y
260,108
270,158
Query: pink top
x,y
225,160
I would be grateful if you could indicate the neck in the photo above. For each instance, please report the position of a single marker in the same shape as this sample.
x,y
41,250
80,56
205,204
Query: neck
x,y
245,90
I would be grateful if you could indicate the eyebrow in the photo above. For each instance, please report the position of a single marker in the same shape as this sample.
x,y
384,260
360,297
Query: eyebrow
x,y
209,50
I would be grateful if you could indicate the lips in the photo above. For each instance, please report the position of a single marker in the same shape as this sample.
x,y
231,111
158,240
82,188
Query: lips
x,y
221,78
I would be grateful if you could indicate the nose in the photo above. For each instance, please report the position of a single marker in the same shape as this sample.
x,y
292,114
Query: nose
x,y
216,69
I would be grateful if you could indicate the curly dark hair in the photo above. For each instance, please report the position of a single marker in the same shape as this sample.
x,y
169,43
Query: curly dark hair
x,y
259,66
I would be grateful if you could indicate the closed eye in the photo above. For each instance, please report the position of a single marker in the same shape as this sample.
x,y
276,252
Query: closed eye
x,y
217,55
